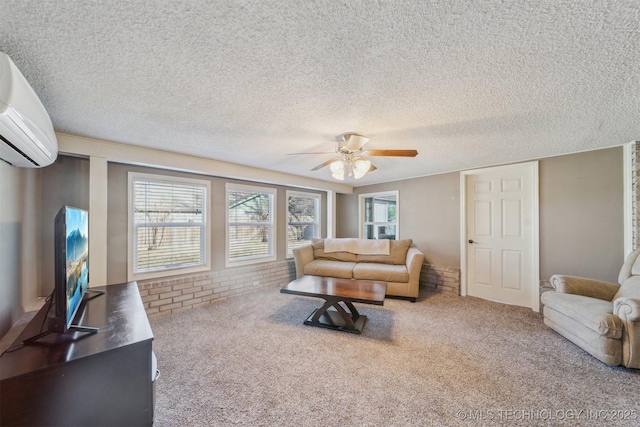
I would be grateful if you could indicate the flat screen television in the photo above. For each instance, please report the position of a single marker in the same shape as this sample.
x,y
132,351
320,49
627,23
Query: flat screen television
x,y
71,265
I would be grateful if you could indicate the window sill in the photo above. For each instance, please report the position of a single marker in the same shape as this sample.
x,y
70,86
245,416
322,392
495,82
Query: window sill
x,y
232,264
131,276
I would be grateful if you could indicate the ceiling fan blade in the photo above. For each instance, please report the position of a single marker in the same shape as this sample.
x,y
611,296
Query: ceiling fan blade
x,y
355,142
311,152
372,168
323,164
393,153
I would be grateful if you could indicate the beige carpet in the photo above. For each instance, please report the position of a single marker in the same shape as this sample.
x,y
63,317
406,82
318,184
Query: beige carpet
x,y
444,361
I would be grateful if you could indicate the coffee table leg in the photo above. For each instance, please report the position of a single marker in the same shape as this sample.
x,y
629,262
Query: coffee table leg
x,y
319,312
339,318
352,309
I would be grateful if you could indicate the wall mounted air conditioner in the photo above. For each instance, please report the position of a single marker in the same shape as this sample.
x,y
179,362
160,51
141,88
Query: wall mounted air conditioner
x,y
27,138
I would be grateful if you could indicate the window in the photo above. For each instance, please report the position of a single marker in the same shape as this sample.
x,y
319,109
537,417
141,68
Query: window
x,y
168,226
379,215
250,224
303,219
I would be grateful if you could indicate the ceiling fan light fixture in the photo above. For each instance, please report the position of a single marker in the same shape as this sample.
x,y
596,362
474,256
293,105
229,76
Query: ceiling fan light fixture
x,y
351,159
361,167
337,167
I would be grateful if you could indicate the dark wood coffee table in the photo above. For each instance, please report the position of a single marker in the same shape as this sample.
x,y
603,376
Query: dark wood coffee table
x,y
337,292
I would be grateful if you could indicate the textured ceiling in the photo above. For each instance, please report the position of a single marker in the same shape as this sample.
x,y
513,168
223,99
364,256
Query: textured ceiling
x,y
467,84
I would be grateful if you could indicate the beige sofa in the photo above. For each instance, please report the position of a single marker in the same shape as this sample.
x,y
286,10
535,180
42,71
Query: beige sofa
x,y
602,318
400,269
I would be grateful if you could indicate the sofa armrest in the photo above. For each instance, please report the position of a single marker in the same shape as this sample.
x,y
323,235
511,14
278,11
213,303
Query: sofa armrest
x,y
415,258
302,256
585,287
628,310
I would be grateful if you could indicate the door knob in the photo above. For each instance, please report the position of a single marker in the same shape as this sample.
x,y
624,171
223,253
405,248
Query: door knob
x,y
471,241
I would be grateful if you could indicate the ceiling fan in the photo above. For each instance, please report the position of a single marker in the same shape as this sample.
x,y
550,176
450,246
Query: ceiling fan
x,y
350,157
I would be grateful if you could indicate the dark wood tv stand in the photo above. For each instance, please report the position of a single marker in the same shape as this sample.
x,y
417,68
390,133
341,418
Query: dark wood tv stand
x,y
88,379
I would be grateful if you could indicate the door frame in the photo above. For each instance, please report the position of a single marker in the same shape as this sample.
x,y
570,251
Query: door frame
x,y
535,227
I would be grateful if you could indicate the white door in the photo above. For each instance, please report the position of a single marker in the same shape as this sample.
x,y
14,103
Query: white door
x,y
501,239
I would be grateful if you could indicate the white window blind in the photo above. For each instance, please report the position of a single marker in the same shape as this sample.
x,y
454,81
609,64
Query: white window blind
x,y
303,219
169,223
250,224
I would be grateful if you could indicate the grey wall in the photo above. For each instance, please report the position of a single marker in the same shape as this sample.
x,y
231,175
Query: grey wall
x,y
64,183
581,220
581,214
19,237
346,215
429,214
117,217
11,248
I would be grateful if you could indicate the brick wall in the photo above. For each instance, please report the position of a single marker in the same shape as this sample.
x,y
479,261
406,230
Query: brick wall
x,y
176,294
440,278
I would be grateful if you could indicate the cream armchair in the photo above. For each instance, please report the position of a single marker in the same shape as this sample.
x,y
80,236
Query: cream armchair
x,y
600,317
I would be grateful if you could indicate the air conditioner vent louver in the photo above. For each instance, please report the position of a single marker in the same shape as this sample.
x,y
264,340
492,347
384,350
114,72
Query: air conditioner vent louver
x,y
16,149
27,138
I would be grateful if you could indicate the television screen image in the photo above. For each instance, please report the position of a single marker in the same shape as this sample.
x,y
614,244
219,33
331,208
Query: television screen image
x,y
77,259
71,264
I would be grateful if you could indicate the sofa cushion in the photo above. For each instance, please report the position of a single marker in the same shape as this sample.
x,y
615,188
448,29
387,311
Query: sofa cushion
x,y
397,253
630,288
595,314
328,268
319,253
381,272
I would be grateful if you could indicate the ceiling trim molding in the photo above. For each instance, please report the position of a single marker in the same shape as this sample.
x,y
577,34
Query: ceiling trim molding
x,y
141,156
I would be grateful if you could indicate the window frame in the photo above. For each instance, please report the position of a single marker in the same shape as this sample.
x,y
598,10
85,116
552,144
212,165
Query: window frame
x,y
318,215
273,192
131,227
361,213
